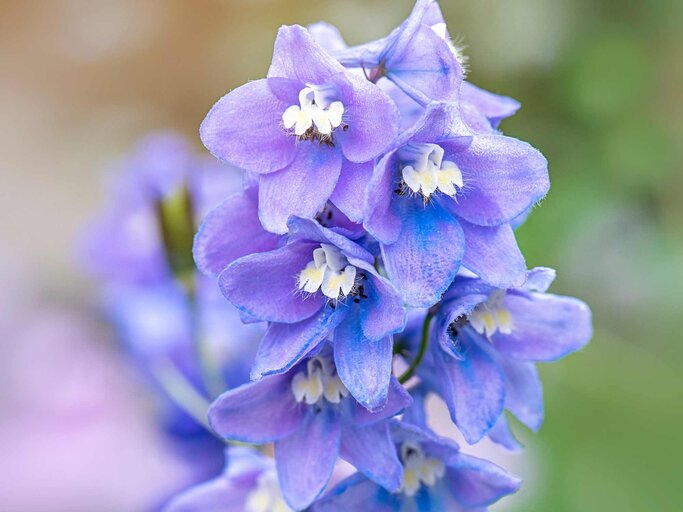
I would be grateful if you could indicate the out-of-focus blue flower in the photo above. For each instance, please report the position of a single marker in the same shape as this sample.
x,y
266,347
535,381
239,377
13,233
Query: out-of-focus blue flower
x,y
166,327
300,127
436,478
483,347
319,284
248,484
310,416
444,197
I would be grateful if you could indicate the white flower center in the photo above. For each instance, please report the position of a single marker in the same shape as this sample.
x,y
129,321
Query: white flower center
x,y
330,272
492,316
318,381
316,107
266,497
418,469
425,170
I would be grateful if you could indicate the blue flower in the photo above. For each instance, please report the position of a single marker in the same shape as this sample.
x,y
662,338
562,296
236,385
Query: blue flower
x,y
317,284
310,416
483,347
436,477
299,126
444,197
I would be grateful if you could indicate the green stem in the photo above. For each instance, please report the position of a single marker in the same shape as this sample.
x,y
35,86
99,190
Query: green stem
x,y
421,352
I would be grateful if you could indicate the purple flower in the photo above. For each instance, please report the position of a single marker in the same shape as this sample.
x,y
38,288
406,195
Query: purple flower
x,y
418,56
436,477
248,484
124,242
444,198
299,128
318,284
309,415
483,346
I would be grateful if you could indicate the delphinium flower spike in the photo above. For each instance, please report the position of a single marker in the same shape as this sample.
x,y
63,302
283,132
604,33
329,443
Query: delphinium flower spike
x,y
378,187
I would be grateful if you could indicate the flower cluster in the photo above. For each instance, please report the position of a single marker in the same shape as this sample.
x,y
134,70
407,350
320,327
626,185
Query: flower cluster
x,y
374,238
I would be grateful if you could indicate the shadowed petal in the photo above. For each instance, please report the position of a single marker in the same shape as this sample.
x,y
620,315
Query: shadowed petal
x,y
502,435
524,392
381,220
371,450
477,482
305,460
398,399
493,254
382,313
358,493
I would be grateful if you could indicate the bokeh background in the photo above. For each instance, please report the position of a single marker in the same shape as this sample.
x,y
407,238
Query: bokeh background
x,y
600,84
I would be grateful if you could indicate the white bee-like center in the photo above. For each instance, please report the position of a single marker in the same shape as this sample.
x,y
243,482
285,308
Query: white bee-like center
x,y
316,107
266,497
419,469
492,316
330,272
319,381
425,171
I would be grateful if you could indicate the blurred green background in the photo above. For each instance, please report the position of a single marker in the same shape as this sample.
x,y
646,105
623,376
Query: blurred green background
x,y
600,84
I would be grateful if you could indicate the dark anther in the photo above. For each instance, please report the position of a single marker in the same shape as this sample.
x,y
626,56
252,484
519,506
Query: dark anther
x,y
356,300
332,305
329,214
345,127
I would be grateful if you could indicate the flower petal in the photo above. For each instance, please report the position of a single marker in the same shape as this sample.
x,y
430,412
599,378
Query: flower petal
x,y
264,285
301,189
305,460
524,395
423,65
283,345
382,313
503,177
349,194
364,366
258,412
244,128
493,254
217,495
371,450
426,257
398,399
546,327
298,57
476,482
381,220
502,435
358,493
230,231
473,388
493,106
371,116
